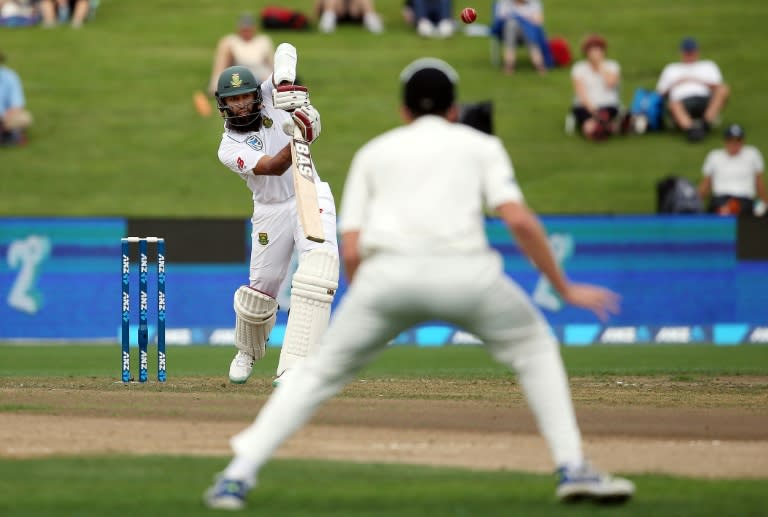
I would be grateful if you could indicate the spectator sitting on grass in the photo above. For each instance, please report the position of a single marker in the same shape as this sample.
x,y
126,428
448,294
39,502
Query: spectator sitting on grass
x,y
14,119
357,12
432,18
245,48
73,11
733,176
695,91
522,21
596,90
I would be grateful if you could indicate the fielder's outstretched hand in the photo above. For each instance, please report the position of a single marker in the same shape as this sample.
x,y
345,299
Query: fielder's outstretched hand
x,y
603,302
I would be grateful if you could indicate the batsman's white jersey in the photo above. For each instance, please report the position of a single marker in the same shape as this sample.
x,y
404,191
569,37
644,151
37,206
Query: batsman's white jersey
x,y
416,196
276,228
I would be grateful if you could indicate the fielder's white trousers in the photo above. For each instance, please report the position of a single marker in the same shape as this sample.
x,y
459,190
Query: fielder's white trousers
x,y
391,293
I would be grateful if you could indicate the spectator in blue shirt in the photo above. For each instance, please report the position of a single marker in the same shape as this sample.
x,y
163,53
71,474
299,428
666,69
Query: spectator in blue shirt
x,y
14,119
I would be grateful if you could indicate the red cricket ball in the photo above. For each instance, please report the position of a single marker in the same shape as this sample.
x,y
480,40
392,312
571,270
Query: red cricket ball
x,y
468,15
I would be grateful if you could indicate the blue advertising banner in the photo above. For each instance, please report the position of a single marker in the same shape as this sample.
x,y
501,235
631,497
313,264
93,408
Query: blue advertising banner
x,y
678,276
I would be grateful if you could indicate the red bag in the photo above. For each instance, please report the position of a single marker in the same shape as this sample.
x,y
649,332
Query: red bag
x,y
561,51
273,17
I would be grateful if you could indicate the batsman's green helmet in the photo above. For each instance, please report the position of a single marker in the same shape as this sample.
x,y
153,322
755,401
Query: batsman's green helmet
x,y
238,80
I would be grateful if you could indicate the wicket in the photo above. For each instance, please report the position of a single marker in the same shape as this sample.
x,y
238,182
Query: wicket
x,y
143,337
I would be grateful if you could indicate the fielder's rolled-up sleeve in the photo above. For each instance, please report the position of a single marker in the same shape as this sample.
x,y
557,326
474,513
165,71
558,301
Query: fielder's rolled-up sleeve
x,y
356,196
499,185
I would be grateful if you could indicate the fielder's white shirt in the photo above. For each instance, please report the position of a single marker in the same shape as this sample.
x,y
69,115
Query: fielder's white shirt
x,y
240,152
734,175
422,188
598,92
705,70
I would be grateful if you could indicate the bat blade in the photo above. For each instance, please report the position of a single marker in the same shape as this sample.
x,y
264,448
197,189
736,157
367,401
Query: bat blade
x,y
306,192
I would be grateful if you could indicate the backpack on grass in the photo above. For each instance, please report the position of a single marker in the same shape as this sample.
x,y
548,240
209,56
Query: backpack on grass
x,y
273,17
649,104
677,195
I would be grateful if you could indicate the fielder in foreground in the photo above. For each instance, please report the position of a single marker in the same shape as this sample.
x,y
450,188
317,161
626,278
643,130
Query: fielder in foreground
x,y
415,250
259,117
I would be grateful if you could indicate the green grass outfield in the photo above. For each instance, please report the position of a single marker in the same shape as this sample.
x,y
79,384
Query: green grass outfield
x,y
172,486
159,485
397,361
116,134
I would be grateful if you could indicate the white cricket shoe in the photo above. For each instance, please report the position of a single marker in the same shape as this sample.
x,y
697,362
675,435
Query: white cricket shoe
x,y
327,22
372,22
445,28
227,494
425,28
585,483
240,368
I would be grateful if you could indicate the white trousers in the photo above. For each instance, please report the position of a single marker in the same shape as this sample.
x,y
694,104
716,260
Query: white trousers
x,y
391,293
276,230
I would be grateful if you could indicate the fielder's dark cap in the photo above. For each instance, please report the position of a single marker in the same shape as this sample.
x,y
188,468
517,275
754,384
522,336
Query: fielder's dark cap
x,y
429,85
689,44
734,131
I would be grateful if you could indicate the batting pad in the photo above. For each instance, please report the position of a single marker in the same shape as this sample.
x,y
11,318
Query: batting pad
x,y
313,287
255,318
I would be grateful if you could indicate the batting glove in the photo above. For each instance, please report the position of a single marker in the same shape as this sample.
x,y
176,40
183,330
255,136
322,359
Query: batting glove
x,y
307,120
290,97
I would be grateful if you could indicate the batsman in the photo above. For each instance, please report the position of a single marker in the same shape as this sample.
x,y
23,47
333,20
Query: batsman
x,y
259,124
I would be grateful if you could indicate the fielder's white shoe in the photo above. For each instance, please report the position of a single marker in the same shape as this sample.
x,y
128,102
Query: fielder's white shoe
x,y
240,368
227,494
585,483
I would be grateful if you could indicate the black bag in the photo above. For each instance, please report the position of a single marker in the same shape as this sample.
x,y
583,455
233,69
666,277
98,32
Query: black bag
x,y
478,115
677,195
273,17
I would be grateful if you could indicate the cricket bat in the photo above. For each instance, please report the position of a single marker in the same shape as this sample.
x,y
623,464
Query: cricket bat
x,y
304,185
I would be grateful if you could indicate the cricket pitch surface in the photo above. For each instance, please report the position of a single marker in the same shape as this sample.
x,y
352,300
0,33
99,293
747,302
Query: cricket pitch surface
x,y
710,427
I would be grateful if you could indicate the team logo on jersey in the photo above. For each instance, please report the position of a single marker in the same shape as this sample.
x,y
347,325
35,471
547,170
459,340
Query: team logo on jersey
x,y
263,239
254,142
236,81
240,163
267,122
